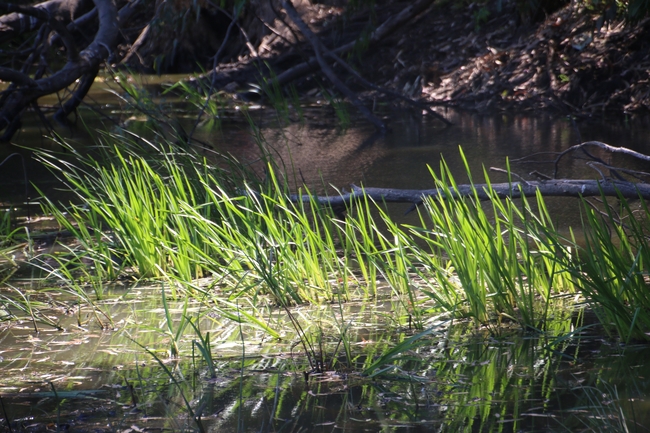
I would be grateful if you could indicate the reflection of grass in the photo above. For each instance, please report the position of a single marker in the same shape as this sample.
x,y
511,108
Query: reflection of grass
x,y
190,410
599,409
18,304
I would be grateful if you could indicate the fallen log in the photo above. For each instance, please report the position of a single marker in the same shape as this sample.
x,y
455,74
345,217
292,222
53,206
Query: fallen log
x,y
548,188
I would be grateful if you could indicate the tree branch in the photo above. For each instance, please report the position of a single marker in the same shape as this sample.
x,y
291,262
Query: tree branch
x,y
550,188
86,61
57,26
8,74
380,33
327,69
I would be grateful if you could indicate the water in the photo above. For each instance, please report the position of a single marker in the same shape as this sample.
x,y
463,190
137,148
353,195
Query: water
x,y
469,380
87,379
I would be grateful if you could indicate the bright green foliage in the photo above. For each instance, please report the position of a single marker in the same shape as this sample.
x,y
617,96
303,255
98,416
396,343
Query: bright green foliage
x,y
170,215
614,268
504,257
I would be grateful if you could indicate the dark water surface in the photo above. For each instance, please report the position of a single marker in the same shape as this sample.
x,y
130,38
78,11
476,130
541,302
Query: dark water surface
x,y
317,153
86,379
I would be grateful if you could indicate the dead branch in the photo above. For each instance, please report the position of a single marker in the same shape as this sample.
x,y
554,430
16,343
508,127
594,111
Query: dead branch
x,y
73,102
548,187
23,18
551,188
18,97
327,69
380,33
583,147
45,16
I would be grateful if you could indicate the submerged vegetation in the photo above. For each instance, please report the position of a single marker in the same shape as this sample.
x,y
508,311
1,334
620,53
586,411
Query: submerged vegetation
x,y
346,297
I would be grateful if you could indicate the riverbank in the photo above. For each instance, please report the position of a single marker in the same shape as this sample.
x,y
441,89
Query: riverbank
x,y
482,58
573,61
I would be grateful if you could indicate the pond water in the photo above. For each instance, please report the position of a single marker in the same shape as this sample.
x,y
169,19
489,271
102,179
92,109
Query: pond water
x,y
89,379
85,379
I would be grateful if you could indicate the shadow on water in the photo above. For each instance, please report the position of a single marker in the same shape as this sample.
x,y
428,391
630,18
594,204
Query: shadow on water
x,y
87,379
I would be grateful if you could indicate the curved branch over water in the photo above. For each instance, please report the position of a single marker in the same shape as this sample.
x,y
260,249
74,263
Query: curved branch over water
x,y
18,97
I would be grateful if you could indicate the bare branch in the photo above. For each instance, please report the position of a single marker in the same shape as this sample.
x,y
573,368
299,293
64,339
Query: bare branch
x,y
8,74
380,33
327,69
56,25
86,61
552,188
583,147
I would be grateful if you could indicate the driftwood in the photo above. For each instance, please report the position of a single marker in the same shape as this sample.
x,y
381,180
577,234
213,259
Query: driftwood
x,y
616,185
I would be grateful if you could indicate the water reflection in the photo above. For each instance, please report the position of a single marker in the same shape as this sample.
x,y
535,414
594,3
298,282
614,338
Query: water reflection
x,y
315,152
400,159
464,380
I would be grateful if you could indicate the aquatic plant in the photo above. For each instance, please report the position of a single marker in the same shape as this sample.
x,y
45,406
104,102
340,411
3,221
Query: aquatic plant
x,y
613,267
505,257
154,210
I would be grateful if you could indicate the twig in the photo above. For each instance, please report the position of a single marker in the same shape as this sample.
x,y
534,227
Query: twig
x,y
73,102
43,15
78,64
500,170
611,149
8,74
4,412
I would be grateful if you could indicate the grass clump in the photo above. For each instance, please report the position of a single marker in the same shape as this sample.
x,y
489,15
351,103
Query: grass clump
x,y
154,211
614,267
502,258
171,215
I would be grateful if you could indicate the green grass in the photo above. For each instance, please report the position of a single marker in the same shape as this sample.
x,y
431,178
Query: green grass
x,y
154,211
495,258
615,266
229,248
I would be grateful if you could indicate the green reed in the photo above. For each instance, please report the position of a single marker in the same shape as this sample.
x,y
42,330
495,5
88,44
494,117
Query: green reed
x,y
175,218
152,210
614,265
505,257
